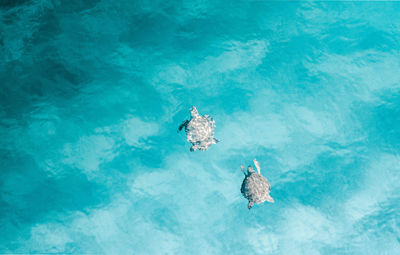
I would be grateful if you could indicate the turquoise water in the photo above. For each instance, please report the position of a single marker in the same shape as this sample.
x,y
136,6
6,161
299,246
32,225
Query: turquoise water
x,y
92,94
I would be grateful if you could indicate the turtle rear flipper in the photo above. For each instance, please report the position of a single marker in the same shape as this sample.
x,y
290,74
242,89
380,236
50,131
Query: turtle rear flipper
x,y
270,199
216,141
250,205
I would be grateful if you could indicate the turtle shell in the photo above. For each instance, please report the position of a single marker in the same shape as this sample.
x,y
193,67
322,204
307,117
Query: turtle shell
x,y
256,188
200,131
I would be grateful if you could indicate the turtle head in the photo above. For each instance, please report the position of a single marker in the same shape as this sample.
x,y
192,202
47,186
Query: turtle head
x,y
250,169
194,112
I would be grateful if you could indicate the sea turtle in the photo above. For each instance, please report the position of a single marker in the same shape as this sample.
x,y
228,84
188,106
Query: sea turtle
x,y
255,187
199,130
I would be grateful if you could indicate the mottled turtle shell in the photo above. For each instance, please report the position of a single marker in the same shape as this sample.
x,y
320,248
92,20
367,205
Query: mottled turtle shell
x,y
256,189
200,131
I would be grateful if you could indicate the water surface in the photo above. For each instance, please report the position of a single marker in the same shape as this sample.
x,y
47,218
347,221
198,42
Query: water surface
x,y
92,94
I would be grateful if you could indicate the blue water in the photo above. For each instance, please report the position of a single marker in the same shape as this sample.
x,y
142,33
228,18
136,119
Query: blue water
x,y
92,94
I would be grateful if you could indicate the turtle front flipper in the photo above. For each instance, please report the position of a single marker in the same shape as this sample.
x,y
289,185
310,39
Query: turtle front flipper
x,y
242,167
250,205
183,125
257,165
